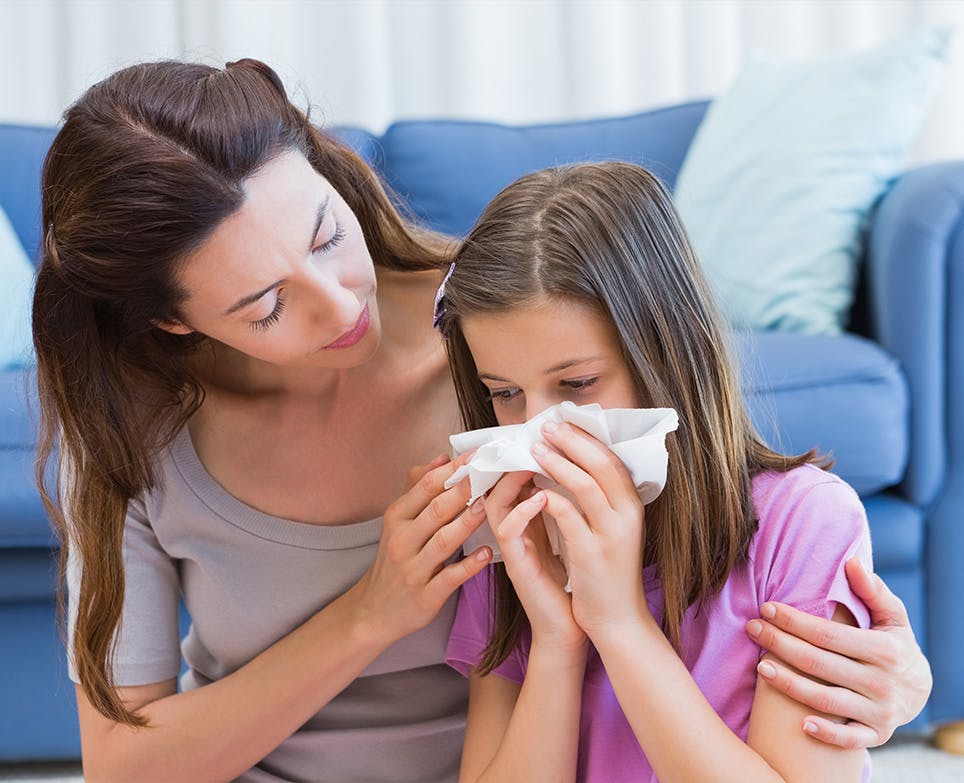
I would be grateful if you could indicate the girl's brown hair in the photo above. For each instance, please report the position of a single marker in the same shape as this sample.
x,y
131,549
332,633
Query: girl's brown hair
x,y
146,166
608,235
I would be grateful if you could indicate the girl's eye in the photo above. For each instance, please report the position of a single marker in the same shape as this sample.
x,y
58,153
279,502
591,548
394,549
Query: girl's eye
x,y
272,318
503,396
335,240
582,384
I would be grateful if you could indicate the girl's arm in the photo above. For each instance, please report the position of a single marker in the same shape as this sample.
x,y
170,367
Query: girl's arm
x,y
218,731
530,732
525,733
663,704
877,678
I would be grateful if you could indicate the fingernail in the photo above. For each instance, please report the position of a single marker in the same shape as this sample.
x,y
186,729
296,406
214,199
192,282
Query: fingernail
x,y
539,448
766,670
769,611
754,627
483,554
538,498
550,426
810,727
478,506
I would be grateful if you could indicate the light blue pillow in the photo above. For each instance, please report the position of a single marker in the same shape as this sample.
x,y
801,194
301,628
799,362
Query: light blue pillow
x,y
782,173
16,293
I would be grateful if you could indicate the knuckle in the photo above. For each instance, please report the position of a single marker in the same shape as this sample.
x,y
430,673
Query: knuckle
x,y
824,701
813,664
436,510
429,483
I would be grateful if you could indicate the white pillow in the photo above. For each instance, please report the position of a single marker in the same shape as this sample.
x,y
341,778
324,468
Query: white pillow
x,y
785,168
16,293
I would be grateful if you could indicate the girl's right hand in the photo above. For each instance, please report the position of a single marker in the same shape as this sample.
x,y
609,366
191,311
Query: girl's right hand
x,y
407,585
537,574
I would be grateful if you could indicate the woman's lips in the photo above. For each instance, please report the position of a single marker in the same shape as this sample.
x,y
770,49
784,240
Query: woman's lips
x,y
359,330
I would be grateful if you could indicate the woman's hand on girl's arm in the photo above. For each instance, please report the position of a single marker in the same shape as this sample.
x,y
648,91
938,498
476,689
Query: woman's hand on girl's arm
x,y
878,678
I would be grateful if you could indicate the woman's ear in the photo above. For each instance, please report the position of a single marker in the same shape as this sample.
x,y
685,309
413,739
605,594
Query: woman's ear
x,y
174,327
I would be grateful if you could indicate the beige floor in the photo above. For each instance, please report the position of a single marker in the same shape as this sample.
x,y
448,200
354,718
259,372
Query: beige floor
x,y
902,761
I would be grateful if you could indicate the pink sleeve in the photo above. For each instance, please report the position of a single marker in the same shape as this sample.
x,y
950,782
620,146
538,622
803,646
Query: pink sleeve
x,y
807,533
470,631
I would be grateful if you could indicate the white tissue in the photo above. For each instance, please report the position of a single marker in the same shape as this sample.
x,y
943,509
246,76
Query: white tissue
x,y
636,435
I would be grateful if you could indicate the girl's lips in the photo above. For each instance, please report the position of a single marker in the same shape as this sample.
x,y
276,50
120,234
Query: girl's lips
x,y
359,330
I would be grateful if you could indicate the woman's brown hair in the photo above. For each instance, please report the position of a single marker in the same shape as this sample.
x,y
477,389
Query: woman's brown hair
x,y
608,235
146,166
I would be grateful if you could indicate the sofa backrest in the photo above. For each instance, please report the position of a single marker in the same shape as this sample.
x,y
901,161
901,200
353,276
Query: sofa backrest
x,y
22,150
447,171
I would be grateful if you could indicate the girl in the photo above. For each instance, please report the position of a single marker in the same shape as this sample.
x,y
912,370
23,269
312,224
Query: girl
x,y
579,284
228,316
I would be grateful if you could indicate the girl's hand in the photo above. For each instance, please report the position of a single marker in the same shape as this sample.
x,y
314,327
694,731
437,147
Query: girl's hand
x,y
879,677
537,575
409,581
604,541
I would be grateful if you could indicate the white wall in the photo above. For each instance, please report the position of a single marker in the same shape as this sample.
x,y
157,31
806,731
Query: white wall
x,y
368,62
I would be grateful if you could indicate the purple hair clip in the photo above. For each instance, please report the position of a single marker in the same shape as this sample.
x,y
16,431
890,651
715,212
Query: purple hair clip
x,y
440,298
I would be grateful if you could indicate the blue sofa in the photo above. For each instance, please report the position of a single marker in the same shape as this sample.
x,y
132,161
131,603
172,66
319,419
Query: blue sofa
x,y
886,398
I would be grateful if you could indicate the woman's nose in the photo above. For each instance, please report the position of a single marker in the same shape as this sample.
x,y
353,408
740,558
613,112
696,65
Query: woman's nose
x,y
332,304
536,405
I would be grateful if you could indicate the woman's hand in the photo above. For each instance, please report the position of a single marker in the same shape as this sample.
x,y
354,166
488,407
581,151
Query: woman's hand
x,y
604,535
538,576
409,581
879,676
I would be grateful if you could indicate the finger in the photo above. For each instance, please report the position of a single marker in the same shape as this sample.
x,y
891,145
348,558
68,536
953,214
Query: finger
x,y
453,576
784,628
851,735
449,538
429,489
517,520
827,699
560,469
815,661
572,525
417,471
596,459
504,496
885,607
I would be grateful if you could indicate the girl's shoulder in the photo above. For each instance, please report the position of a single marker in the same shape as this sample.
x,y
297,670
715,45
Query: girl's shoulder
x,y
806,503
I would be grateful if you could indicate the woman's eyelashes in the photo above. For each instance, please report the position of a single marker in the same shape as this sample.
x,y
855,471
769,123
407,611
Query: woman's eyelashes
x,y
335,240
272,318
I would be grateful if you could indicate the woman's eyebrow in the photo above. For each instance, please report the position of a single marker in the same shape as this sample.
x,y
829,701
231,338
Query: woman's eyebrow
x,y
244,301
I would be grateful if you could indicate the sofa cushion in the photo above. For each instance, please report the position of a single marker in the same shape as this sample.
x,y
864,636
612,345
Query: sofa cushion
x,y
22,150
843,395
447,171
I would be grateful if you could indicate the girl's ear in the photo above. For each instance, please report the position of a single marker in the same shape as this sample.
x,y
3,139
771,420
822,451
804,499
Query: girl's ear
x,y
174,327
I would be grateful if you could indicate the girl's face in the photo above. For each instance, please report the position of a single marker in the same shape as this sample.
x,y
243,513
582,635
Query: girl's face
x,y
287,278
534,357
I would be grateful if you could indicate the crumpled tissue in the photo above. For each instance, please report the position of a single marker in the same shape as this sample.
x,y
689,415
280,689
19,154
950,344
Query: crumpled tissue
x,y
636,435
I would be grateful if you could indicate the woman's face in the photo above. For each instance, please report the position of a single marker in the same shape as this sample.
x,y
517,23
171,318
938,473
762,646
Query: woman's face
x,y
286,279
534,357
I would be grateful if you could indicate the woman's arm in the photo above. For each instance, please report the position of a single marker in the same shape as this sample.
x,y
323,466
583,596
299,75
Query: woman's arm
x,y
877,679
218,731
662,703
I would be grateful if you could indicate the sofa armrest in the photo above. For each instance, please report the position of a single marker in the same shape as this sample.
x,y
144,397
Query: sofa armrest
x,y
916,290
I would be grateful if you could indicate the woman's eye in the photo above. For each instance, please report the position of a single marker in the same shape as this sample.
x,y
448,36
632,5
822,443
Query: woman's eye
x,y
335,240
272,318
503,396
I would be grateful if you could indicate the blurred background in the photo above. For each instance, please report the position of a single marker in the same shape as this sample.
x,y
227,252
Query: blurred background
x,y
369,62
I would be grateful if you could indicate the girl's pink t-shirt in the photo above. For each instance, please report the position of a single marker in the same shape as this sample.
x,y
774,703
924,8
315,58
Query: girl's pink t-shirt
x,y
810,524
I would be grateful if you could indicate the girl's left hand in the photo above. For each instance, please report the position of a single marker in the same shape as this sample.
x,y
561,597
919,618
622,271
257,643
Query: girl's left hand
x,y
604,536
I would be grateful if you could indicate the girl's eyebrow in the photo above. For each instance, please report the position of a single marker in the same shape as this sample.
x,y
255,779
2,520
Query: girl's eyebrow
x,y
483,376
244,301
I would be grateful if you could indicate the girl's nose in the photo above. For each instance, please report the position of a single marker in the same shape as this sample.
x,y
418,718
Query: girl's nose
x,y
536,405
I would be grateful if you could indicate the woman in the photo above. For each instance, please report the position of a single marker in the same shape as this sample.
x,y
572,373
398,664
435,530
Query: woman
x,y
229,318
